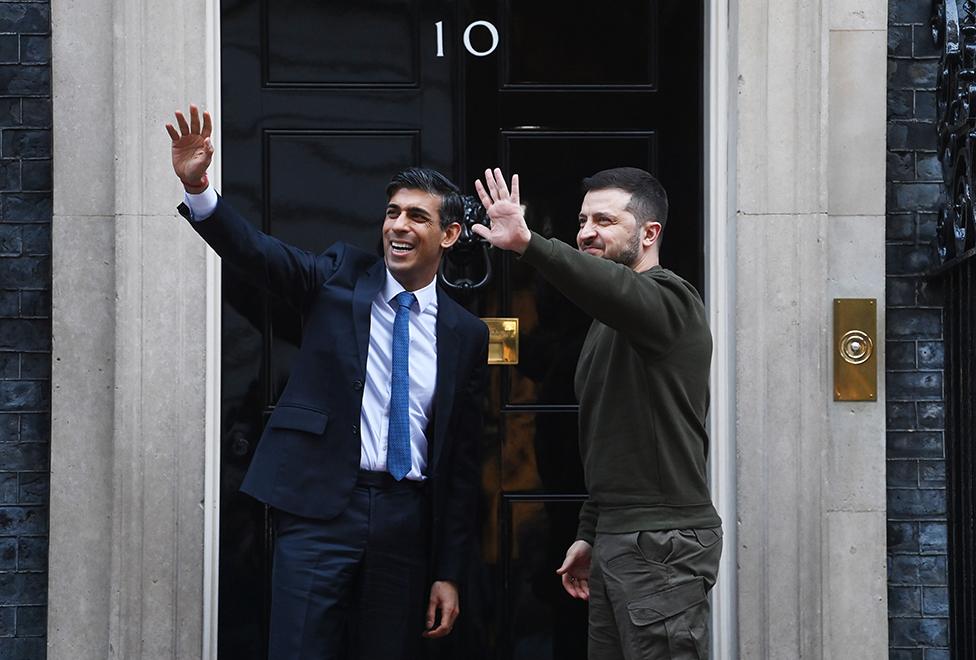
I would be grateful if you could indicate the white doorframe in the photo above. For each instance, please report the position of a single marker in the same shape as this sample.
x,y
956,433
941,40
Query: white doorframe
x,y
720,300
211,501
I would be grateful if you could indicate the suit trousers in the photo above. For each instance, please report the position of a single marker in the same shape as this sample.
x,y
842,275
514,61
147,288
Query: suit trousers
x,y
648,594
353,587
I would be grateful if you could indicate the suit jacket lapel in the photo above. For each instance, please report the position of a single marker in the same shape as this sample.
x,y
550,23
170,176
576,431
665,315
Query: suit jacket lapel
x,y
447,366
367,286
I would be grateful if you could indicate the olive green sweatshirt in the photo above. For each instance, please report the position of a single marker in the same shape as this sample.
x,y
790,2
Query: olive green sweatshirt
x,y
642,386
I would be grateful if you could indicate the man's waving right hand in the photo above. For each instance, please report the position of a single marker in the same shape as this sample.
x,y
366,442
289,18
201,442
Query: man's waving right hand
x,y
506,216
192,149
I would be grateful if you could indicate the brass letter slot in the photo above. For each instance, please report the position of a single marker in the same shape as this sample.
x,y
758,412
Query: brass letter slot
x,y
855,349
503,340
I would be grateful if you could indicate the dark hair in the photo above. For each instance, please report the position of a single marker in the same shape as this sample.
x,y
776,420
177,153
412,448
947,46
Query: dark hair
x,y
648,200
435,183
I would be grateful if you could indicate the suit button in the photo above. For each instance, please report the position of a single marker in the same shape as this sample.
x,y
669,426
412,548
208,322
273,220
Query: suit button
x,y
355,429
357,385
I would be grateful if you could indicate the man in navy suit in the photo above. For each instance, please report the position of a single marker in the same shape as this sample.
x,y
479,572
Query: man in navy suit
x,y
369,459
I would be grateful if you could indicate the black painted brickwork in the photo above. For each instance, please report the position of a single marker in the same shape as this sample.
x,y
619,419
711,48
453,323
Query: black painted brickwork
x,y
916,469
917,581
25,325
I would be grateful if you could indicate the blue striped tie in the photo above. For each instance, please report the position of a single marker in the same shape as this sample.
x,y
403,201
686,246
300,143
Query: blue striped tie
x,y
398,449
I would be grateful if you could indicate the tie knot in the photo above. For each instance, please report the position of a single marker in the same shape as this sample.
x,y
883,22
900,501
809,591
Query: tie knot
x,y
405,299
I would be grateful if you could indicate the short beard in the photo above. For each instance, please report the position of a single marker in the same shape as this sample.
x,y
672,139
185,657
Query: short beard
x,y
629,256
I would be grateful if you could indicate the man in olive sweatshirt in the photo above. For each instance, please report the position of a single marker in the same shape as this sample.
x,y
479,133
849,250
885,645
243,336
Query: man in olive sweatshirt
x,y
649,540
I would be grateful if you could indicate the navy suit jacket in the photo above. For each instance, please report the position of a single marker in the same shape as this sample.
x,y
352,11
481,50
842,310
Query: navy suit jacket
x,y
307,460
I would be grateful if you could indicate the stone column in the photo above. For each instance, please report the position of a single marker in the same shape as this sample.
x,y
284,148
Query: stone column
x,y
129,324
855,506
810,227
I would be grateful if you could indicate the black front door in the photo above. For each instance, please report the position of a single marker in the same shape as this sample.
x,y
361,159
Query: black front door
x,y
321,103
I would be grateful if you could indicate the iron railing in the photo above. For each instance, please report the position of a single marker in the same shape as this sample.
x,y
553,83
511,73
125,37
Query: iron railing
x,y
954,31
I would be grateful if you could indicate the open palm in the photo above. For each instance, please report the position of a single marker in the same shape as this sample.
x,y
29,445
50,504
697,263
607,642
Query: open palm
x,y
508,229
192,148
505,213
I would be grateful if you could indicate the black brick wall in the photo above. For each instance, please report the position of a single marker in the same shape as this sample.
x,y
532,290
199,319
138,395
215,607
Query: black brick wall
x,y
917,591
915,458
25,324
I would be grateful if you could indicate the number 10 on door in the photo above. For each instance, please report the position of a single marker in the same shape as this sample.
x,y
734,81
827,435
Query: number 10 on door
x,y
485,25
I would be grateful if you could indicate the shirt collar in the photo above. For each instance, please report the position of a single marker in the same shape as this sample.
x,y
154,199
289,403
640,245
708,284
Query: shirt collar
x,y
425,296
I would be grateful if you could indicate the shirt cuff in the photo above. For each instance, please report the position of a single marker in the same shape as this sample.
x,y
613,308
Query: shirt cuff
x,y
201,205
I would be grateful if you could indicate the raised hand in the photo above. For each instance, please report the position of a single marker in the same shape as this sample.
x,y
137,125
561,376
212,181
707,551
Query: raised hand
x,y
192,149
508,229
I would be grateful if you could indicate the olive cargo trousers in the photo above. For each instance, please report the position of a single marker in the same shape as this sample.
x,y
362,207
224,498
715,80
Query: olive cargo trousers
x,y
648,594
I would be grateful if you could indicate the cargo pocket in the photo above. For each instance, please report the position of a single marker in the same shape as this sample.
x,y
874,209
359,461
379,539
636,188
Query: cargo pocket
x,y
672,623
709,536
703,553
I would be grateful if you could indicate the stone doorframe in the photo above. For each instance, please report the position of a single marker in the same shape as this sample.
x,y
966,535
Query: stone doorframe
x,y
809,172
132,293
795,180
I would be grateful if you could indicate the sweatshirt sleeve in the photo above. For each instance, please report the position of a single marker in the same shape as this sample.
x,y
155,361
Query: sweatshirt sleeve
x,y
588,517
650,308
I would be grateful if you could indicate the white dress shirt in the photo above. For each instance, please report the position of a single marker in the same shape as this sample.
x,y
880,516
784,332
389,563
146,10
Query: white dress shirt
x,y
375,414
